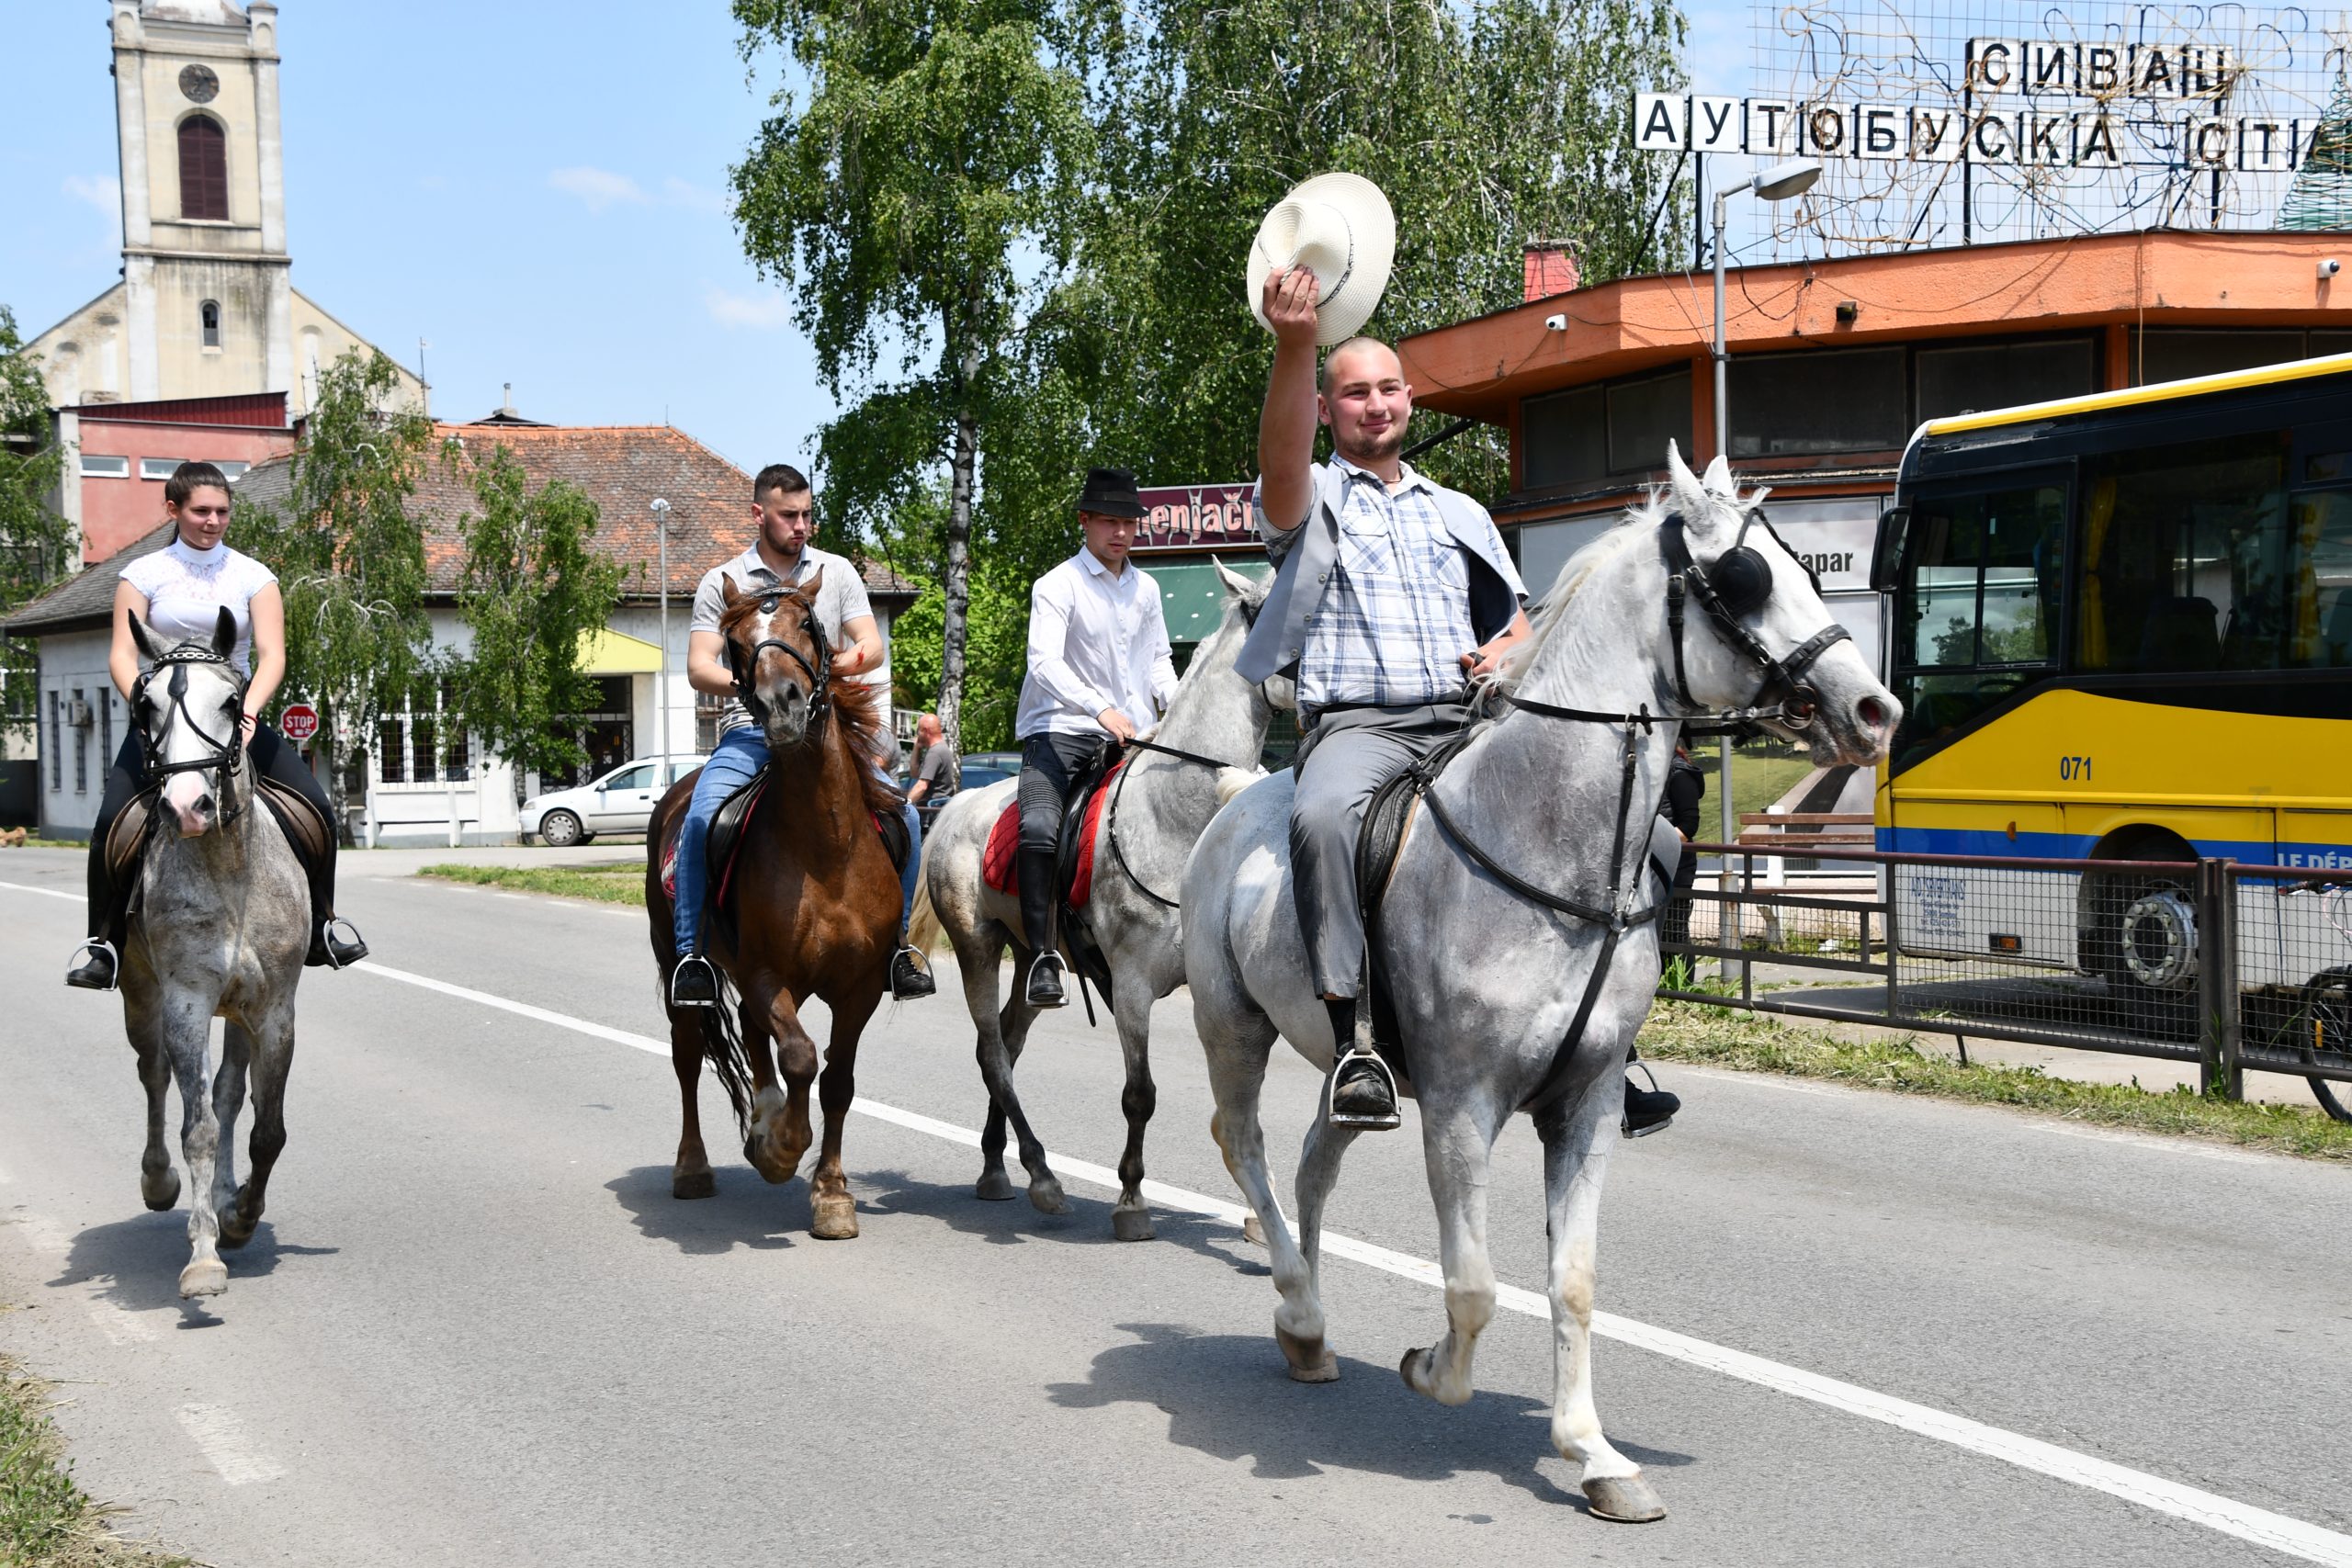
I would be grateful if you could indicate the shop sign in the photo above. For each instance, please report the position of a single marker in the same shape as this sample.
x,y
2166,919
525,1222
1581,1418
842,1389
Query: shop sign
x,y
1196,517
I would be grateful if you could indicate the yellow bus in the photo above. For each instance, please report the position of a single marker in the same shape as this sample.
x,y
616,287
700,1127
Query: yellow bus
x,y
2121,630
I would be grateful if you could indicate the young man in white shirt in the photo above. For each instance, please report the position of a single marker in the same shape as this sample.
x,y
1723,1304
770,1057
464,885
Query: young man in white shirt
x,y
1099,666
784,510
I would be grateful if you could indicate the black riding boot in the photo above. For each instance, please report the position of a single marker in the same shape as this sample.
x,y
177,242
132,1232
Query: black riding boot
x,y
1361,1095
330,949
110,914
1035,874
1647,1109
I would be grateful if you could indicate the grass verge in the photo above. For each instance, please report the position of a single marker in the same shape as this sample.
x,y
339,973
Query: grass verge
x,y
1728,1037
621,884
46,1521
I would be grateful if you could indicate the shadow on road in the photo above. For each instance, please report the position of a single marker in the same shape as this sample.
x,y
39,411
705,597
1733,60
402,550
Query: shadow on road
x,y
1017,1223
1229,1396
139,1259
746,1212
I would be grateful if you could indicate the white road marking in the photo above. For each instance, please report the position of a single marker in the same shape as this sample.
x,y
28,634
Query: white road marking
x,y
2139,1140
2295,1538
221,1433
44,892
121,1324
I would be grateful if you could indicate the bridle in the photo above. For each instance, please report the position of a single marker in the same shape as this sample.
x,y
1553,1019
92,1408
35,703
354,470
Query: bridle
x,y
226,755
1740,584
745,666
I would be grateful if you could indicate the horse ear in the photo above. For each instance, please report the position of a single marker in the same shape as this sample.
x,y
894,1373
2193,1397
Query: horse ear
x,y
141,638
1689,495
1236,585
729,594
224,632
1718,480
808,589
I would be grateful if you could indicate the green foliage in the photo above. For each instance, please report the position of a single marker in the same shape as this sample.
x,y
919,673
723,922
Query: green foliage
x,y
46,1521
924,199
34,538
996,653
532,588
349,559
620,883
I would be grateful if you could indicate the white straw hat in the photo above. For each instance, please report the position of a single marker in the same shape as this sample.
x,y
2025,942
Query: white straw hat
x,y
1339,227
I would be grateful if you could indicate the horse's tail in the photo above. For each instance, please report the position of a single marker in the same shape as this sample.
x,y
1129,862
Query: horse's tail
x,y
923,930
722,1042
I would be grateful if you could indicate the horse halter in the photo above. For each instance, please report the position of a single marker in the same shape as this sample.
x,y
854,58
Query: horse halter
x,y
820,671
1740,584
226,756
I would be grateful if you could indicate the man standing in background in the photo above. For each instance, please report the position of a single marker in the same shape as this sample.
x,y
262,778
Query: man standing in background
x,y
938,770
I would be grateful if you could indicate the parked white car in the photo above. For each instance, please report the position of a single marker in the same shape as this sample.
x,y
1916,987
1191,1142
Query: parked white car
x,y
620,802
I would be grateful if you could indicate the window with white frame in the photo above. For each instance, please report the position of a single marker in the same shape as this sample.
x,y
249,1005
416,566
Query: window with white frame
x,y
97,467
158,467
419,746
231,471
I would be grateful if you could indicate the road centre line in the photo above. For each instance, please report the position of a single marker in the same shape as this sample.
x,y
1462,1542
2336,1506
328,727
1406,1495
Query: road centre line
x,y
2277,1532
44,892
221,1433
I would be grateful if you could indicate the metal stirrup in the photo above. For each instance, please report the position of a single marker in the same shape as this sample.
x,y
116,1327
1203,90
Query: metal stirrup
x,y
1337,1118
100,944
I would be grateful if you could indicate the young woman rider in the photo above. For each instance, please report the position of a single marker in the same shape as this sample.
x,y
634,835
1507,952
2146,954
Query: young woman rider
x,y
179,592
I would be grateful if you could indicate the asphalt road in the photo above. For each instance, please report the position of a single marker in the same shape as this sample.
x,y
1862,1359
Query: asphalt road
x,y
475,1327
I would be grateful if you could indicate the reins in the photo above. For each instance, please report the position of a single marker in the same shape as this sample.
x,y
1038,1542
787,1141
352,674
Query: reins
x,y
819,671
1118,793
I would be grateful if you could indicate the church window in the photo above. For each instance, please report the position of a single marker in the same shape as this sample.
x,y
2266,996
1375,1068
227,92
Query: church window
x,y
210,312
204,169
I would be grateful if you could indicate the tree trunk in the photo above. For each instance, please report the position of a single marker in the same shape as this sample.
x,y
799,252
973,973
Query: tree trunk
x,y
954,621
334,781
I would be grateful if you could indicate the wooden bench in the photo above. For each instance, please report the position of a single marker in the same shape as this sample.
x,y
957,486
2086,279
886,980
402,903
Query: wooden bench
x,y
1819,831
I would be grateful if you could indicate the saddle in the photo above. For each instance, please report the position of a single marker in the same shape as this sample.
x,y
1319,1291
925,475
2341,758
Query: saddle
x,y
726,838
1387,816
304,825
1082,826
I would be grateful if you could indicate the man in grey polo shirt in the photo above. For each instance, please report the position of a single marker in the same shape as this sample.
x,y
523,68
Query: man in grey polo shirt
x,y
1390,592
784,509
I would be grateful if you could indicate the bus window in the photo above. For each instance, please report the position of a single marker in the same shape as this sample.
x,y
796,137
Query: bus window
x,y
2188,560
2319,581
1977,602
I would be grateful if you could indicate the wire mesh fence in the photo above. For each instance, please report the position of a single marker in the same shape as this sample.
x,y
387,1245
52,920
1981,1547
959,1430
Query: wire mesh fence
x,y
2231,967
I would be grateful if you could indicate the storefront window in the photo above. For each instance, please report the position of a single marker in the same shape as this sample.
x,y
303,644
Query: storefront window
x,y
1825,401
1585,436
1968,377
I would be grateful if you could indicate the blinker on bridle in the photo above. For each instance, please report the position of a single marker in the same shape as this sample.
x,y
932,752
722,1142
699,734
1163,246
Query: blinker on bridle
x,y
820,671
1738,585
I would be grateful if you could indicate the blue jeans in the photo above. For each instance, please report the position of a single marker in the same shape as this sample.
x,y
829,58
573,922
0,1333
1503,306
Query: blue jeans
x,y
740,754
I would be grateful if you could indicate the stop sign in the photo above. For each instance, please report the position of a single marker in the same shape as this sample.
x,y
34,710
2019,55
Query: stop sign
x,y
298,722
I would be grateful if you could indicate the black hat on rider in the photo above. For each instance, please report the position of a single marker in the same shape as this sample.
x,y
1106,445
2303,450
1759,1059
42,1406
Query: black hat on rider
x,y
1110,492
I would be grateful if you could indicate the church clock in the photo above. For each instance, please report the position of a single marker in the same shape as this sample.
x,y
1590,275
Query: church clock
x,y
200,83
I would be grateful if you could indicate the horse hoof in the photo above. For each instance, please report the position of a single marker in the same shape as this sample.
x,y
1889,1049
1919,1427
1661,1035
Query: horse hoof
x,y
694,1183
1624,1499
993,1187
234,1232
208,1277
1131,1225
1045,1197
835,1219
1310,1361
1252,1232
774,1173
163,1192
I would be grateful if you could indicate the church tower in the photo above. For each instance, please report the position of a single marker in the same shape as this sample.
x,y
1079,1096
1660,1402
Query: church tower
x,y
209,308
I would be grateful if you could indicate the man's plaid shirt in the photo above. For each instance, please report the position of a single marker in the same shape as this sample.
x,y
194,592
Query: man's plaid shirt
x,y
1394,621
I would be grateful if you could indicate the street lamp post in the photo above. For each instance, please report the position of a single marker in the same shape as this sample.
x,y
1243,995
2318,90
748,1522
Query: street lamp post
x,y
661,677
1777,183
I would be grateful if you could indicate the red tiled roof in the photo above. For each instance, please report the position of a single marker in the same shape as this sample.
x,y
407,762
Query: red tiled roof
x,y
622,468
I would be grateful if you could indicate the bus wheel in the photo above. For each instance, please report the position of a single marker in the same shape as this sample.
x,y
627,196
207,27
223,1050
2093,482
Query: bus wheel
x,y
2324,1030
2138,933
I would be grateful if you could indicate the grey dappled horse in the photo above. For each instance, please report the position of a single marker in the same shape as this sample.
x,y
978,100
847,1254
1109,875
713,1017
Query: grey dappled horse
x,y
1487,983
1156,815
223,922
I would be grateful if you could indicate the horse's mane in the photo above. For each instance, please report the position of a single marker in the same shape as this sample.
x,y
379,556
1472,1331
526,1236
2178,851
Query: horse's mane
x,y
1641,521
857,708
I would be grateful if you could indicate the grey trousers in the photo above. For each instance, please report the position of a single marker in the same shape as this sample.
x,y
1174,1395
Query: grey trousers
x,y
1049,761
1343,759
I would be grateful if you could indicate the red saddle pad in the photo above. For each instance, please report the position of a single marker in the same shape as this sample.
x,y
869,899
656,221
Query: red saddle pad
x,y
999,862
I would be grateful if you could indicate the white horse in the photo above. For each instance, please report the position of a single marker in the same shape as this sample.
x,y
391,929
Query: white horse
x,y
1155,813
1488,983
223,919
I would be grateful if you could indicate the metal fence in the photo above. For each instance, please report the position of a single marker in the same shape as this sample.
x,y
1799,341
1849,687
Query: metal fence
x,y
2235,967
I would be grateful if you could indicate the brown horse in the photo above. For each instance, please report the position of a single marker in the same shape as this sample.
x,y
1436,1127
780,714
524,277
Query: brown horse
x,y
815,908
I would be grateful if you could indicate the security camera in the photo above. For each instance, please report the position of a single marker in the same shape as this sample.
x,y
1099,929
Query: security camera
x,y
2330,268
1560,323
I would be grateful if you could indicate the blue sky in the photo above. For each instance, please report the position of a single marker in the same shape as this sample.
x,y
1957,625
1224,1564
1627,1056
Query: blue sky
x,y
535,190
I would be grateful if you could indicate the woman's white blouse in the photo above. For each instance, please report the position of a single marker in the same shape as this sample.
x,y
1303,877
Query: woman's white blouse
x,y
186,590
